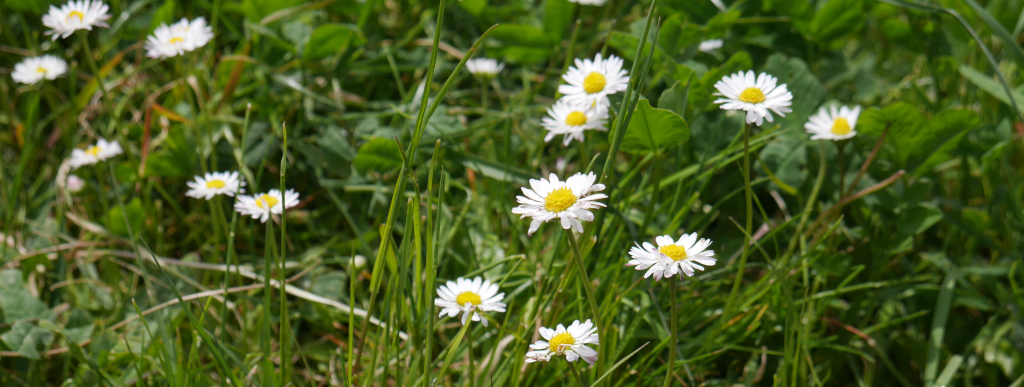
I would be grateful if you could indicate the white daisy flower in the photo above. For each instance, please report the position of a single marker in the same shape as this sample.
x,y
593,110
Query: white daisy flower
x,y
569,342
710,45
568,201
74,16
95,153
484,67
33,70
178,38
213,184
465,295
590,83
670,258
595,3
754,96
261,206
572,119
833,124
75,184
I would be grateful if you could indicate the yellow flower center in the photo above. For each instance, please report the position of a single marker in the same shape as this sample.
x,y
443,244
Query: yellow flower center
x,y
93,150
266,200
676,252
469,297
576,119
41,70
841,127
594,83
216,184
752,95
559,200
560,342
77,14
176,40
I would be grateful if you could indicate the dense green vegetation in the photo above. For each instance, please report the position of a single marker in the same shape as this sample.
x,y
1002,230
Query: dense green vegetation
x,y
892,258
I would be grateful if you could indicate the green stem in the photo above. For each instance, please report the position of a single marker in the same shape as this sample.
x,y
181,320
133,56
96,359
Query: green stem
x,y
842,165
285,339
742,265
576,375
84,38
586,285
469,343
268,257
673,327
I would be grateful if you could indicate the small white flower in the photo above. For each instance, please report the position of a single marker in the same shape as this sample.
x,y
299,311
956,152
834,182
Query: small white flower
x,y
591,82
569,342
465,295
75,184
32,70
74,16
95,153
213,184
754,96
833,124
568,201
360,261
261,206
719,5
485,67
595,3
710,45
672,257
572,119
178,38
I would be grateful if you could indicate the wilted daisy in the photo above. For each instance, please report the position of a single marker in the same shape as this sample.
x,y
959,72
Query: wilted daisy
x,y
178,38
95,153
710,45
74,16
591,82
213,184
465,295
484,67
32,70
572,119
75,183
833,124
568,201
756,96
569,342
261,206
671,257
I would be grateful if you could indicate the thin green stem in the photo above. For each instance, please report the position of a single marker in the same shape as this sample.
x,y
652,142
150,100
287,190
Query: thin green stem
x,y
742,265
285,326
268,257
84,38
674,329
587,286
576,375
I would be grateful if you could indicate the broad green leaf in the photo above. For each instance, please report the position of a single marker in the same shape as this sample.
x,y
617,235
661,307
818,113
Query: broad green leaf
x,y
15,301
673,99
786,159
474,7
330,39
808,93
918,219
837,18
558,18
626,44
163,15
379,154
27,338
677,33
905,123
520,43
702,97
114,220
255,10
175,157
663,127
800,12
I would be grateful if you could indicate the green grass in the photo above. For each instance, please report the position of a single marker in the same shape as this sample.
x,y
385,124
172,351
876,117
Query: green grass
x,y
890,259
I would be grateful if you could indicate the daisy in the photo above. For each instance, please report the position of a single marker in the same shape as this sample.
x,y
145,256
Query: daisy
x,y
33,70
833,124
465,295
572,119
261,206
74,16
710,46
178,38
569,342
213,184
591,83
568,201
484,67
670,257
75,183
595,3
754,96
95,153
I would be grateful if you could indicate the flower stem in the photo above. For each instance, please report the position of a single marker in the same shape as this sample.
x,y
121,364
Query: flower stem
x,y
575,375
469,352
586,285
673,328
285,328
741,266
84,38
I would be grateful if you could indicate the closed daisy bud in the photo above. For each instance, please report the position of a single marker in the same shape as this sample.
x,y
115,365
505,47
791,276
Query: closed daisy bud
x,y
672,257
569,342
